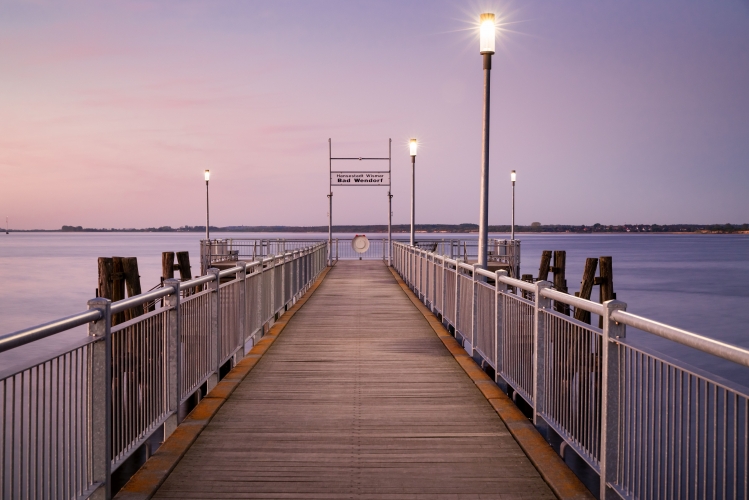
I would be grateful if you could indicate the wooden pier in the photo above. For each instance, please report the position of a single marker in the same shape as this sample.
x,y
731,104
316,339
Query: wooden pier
x,y
358,398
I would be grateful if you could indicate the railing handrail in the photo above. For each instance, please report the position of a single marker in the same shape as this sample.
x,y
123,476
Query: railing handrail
x,y
707,345
714,347
571,300
44,330
27,335
139,300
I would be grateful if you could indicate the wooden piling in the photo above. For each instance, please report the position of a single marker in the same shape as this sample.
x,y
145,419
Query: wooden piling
x,y
183,262
167,265
105,277
605,282
586,287
132,285
543,270
118,287
560,283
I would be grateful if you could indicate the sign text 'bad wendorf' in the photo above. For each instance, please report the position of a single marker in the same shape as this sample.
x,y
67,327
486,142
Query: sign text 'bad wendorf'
x,y
359,178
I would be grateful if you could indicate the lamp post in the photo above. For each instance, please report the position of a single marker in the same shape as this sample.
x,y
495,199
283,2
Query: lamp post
x,y
412,146
486,44
207,232
512,178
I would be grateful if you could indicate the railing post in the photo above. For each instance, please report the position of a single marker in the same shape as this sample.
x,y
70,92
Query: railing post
x,y
174,361
242,306
610,384
336,249
499,318
539,352
432,289
273,284
215,326
260,298
457,298
100,408
444,288
284,271
474,308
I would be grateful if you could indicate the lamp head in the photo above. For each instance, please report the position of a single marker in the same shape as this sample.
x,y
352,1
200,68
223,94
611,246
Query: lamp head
x,y
412,146
512,176
487,33
207,175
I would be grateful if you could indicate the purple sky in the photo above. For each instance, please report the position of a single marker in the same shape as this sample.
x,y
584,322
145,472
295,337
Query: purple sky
x,y
611,112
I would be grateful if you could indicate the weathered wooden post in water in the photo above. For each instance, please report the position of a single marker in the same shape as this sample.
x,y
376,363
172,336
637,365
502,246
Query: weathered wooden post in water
x,y
586,288
605,282
132,284
543,269
560,283
115,274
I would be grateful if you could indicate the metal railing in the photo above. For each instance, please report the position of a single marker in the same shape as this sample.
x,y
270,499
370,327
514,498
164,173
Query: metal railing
x,y
651,427
504,252
69,421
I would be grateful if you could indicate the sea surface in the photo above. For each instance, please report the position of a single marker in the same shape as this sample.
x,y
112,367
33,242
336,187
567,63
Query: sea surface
x,y
696,282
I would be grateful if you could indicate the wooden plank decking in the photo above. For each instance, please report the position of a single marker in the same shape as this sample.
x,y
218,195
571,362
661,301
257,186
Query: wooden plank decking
x,y
356,399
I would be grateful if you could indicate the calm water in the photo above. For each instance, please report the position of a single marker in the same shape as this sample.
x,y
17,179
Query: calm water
x,y
697,282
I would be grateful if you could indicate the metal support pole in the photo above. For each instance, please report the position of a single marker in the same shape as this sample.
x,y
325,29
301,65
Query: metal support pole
x,y
242,308
444,290
610,389
474,309
457,300
100,409
330,204
207,227
284,271
413,196
390,204
539,351
484,193
390,229
499,316
215,327
512,233
272,295
259,293
171,302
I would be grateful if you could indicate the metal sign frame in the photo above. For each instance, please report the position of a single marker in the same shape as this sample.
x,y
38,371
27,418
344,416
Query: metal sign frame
x,y
360,184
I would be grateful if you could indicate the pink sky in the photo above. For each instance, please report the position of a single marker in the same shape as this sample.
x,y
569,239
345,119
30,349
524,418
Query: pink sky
x,y
610,112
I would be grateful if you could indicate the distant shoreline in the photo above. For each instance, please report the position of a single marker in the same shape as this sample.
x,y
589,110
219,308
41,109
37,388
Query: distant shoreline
x,y
427,229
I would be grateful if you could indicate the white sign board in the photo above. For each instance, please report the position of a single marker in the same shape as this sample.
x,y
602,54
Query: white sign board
x,y
359,178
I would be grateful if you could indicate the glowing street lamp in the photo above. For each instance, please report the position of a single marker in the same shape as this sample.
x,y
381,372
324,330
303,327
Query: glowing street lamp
x,y
207,225
486,46
412,146
512,178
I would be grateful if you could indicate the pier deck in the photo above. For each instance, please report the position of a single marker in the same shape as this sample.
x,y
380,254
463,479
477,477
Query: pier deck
x,y
358,398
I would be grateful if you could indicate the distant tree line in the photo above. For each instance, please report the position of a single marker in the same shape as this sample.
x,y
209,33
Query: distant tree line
x,y
535,227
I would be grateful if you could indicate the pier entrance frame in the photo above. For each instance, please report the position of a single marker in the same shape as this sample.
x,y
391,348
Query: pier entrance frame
x,y
340,173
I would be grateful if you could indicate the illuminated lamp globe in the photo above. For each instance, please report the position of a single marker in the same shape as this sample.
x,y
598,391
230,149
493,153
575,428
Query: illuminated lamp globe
x,y
487,33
